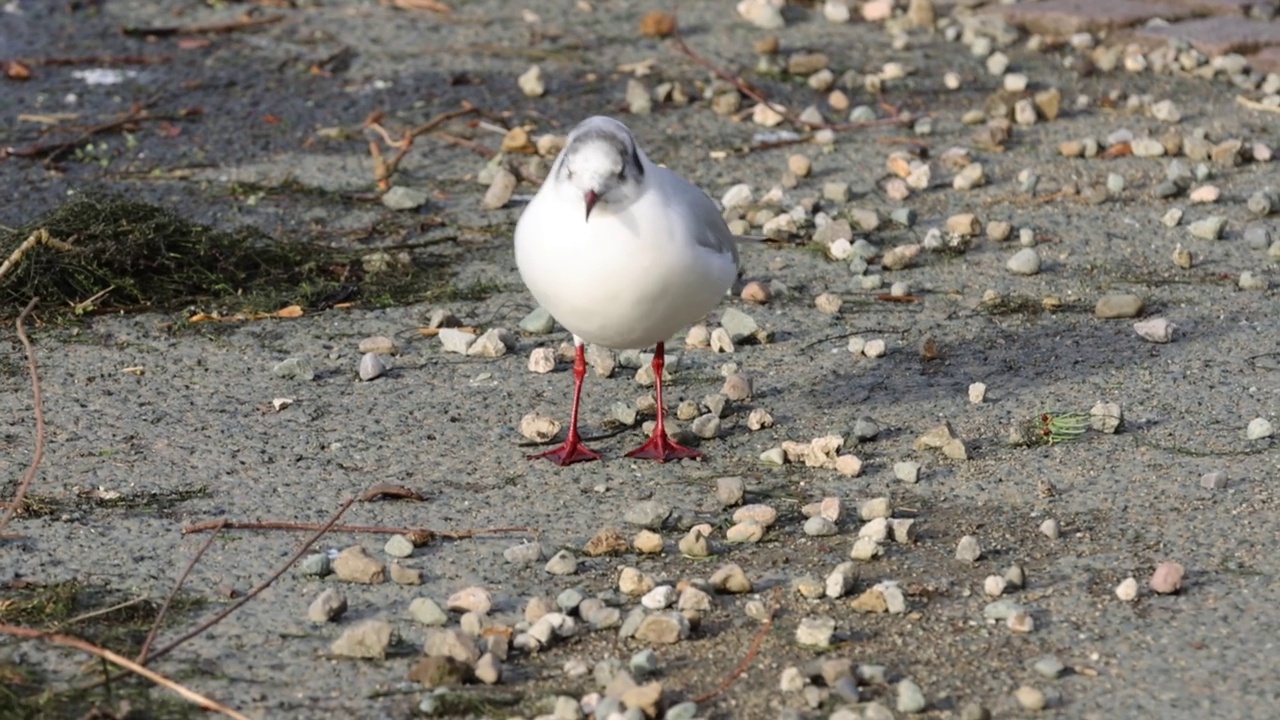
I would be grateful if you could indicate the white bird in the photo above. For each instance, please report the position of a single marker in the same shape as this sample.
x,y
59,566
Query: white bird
x,y
623,254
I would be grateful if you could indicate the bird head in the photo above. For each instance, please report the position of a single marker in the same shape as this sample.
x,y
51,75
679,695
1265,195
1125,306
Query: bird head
x,y
601,165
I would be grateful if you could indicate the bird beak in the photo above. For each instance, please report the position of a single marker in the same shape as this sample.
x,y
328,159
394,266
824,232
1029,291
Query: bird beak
x,y
591,197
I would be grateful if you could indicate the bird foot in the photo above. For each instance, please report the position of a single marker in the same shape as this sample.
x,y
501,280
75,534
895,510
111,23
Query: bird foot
x,y
661,448
570,452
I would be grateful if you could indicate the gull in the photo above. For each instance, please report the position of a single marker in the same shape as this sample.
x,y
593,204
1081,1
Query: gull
x,y
622,253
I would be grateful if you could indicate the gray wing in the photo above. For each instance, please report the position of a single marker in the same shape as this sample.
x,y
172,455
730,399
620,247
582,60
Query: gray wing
x,y
713,234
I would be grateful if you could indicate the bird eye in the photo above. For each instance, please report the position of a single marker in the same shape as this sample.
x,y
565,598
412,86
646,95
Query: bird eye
x,y
622,174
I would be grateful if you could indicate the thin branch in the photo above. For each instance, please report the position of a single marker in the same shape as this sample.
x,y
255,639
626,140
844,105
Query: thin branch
x,y
356,529
1255,105
38,403
39,237
51,151
73,642
244,22
302,549
164,609
774,602
384,169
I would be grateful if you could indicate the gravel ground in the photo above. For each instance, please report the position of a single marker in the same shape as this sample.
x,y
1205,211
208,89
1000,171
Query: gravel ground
x,y
132,457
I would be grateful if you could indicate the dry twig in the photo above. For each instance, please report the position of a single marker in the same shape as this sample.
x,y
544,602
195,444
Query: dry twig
x,y
1255,105
38,403
356,529
244,22
774,602
302,549
384,169
39,237
164,609
73,642
52,151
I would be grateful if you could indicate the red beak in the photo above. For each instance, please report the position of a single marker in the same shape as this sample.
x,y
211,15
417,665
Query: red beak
x,y
591,197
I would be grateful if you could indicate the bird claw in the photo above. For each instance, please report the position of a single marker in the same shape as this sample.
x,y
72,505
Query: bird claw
x,y
661,448
570,452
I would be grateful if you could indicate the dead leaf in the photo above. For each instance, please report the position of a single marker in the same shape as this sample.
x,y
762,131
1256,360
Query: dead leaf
x,y
657,23
1122,149
639,69
929,350
293,311
16,70
395,492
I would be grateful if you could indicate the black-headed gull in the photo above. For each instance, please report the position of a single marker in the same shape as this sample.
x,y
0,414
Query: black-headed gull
x,y
623,254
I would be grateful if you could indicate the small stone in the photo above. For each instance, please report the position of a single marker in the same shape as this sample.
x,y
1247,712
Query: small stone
x,y
1049,528
542,360
663,628
365,639
910,697
659,598
763,514
848,465
695,543
315,565
648,514
1029,698
1106,417
500,190
488,669
1118,306
455,341
647,542
538,428
427,612
1146,147
746,531
531,83
357,566
828,303
607,541
1251,281
561,564
865,549
1167,578
1024,262
1215,480
880,507
730,579
903,529
398,546
495,342
693,599
403,198
815,632
637,97
993,586
773,456
1127,590
1015,576
974,711
970,177
819,527
877,529
968,550
473,599
294,369
870,601
1049,666
634,582
1259,429
1209,228
1181,256
737,387
1020,622
327,607
756,292
908,471
1156,330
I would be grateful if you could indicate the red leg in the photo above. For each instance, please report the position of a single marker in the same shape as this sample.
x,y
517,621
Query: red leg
x,y
572,450
660,447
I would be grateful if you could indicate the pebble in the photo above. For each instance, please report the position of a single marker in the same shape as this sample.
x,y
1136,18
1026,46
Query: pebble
x,y
398,546
736,387
562,563
356,566
968,550
865,548
663,628
971,176
1024,262
910,697
455,341
993,586
755,292
1251,281
1049,528
747,531
404,575
908,471
836,11
730,579
693,599
647,542
648,514
1029,698
1015,576
531,83
493,343
1020,622
1167,578
765,515
1146,147
539,428
819,527
315,565
327,607
1155,330
659,598
500,189
849,465
294,369
1209,228
1127,590
1215,480
1259,429
904,530
840,580
1262,203
730,490
1258,237
488,669
542,360
1118,306
1106,417
365,639
815,632
1049,666
828,303
875,348
632,581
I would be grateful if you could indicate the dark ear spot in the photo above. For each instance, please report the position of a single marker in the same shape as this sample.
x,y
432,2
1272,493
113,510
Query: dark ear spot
x,y
635,162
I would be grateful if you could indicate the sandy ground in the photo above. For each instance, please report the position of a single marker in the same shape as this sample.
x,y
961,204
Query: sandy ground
x,y
197,423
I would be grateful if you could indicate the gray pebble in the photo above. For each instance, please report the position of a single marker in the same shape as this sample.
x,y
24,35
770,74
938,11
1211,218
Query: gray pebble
x,y
968,550
876,711
1118,306
687,710
974,711
818,526
1259,429
1014,576
1257,236
631,623
1049,666
562,563
904,216
865,429
705,426
643,663
729,490
1215,480
908,471
647,514
523,554
1209,228
1115,183
294,369
371,367
1262,203
1002,609
403,198
1165,189
537,322
315,565
816,631
1024,262
738,324
569,599
910,697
